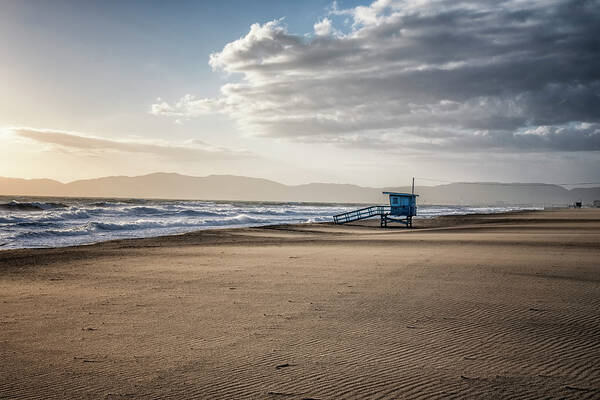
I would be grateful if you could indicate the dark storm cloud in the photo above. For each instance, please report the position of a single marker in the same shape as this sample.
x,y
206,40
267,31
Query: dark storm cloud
x,y
471,74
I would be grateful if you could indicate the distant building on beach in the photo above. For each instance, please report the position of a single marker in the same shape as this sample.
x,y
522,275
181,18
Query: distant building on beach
x,y
596,203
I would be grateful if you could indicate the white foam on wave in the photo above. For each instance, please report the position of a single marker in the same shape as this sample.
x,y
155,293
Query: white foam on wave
x,y
69,222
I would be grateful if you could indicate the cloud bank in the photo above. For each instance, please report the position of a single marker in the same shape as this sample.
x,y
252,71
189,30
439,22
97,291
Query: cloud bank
x,y
191,151
434,74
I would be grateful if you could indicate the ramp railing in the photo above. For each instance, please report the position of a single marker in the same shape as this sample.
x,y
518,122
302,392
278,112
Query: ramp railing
x,y
361,213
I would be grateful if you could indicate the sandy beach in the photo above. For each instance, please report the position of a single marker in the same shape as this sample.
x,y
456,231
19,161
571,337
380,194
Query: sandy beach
x,y
483,306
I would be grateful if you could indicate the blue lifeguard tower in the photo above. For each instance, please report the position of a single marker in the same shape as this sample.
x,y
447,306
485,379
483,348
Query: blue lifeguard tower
x,y
403,206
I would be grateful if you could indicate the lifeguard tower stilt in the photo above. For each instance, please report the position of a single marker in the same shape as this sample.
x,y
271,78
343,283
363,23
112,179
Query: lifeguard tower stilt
x,y
402,208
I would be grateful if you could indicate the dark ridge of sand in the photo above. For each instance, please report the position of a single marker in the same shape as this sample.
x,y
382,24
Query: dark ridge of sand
x,y
479,306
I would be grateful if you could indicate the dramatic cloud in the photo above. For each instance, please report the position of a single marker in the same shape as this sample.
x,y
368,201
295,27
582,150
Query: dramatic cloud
x,y
192,151
456,75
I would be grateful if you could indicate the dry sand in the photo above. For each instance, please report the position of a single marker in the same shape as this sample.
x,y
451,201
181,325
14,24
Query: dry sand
x,y
504,306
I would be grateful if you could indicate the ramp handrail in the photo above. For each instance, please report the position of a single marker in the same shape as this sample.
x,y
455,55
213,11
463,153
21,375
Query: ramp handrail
x,y
361,213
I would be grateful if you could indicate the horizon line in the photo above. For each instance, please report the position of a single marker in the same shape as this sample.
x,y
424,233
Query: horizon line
x,y
308,183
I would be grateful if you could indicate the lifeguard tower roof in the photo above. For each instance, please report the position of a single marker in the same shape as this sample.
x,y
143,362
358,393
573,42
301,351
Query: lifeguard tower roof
x,y
401,194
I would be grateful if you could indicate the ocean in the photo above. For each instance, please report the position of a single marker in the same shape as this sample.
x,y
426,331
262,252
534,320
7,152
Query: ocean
x,y
57,222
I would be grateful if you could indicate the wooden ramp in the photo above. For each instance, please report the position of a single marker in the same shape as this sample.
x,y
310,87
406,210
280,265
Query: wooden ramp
x,y
383,212
361,213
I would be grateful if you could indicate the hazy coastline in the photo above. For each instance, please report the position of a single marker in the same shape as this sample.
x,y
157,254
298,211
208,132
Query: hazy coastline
x,y
57,222
242,188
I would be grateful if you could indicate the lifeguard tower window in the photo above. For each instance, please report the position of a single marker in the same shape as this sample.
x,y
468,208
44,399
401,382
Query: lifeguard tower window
x,y
394,200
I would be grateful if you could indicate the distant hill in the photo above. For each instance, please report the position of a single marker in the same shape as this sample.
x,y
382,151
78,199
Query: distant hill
x,y
229,187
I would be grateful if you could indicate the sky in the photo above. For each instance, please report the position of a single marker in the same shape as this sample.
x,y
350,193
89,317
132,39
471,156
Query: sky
x,y
360,92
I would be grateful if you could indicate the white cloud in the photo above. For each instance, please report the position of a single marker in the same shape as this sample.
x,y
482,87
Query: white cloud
x,y
323,27
437,73
187,107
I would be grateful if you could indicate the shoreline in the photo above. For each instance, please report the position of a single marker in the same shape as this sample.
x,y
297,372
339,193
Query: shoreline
x,y
423,223
488,306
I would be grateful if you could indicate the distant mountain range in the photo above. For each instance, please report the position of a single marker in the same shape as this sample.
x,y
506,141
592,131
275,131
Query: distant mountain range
x,y
229,187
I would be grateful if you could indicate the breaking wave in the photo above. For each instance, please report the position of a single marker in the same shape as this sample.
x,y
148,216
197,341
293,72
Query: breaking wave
x,y
15,205
65,222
